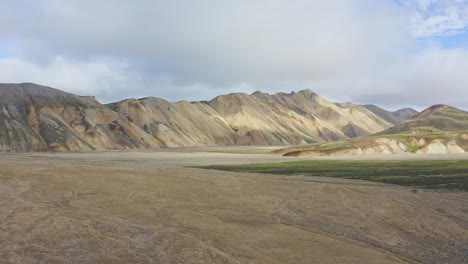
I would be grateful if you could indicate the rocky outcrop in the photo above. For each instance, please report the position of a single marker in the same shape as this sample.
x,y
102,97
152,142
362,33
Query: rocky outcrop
x,y
383,146
439,147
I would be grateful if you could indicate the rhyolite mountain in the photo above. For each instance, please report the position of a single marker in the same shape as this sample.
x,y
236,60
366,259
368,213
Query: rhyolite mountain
x,y
394,117
257,119
435,118
40,118
438,129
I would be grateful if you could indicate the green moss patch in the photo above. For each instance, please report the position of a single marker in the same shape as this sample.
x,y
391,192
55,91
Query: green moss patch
x,y
424,174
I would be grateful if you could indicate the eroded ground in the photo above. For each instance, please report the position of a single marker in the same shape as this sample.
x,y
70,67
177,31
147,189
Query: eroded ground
x,y
149,207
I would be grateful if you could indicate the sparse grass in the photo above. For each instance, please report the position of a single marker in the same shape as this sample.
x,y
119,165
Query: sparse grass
x,y
412,148
332,145
309,140
424,174
52,134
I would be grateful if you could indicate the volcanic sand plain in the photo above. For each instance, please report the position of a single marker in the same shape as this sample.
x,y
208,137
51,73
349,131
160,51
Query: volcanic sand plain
x,y
154,207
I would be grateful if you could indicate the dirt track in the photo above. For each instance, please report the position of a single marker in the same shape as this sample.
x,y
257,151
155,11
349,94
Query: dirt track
x,y
148,207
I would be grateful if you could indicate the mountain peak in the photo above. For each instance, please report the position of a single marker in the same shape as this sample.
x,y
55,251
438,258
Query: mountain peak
x,y
307,92
15,93
258,92
435,109
395,117
408,109
260,95
438,106
437,117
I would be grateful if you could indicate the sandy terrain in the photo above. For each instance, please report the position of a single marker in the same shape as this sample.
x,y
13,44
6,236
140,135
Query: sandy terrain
x,y
149,207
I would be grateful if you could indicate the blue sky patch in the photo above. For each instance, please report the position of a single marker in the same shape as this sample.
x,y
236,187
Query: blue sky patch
x,y
4,55
454,41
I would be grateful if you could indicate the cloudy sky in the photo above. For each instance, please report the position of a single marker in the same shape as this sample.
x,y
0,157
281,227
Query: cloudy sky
x,y
392,53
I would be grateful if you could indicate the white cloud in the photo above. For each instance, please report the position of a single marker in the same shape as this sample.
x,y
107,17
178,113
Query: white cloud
x,y
432,76
262,42
346,50
439,18
438,75
108,79
78,77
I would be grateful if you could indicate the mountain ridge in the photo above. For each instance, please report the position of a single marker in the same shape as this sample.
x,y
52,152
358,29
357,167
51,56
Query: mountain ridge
x,y
436,130
41,118
437,117
393,117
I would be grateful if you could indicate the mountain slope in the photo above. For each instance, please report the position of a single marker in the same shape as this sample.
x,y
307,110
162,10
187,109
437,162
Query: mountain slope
x,y
39,118
257,119
395,117
438,129
437,117
295,117
179,124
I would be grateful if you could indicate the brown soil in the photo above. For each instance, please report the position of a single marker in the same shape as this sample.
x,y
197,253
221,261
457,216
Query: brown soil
x,y
147,207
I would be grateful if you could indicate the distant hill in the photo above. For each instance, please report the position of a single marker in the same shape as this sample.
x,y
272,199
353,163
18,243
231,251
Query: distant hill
x,y
395,117
40,118
438,129
434,118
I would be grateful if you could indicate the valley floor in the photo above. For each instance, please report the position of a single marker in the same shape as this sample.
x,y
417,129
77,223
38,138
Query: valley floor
x,y
152,207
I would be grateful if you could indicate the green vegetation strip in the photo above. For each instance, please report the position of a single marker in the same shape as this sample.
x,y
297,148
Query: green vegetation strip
x,y
424,174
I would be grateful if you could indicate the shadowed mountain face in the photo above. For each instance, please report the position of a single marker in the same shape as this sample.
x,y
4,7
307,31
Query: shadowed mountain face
x,y
39,118
395,117
34,117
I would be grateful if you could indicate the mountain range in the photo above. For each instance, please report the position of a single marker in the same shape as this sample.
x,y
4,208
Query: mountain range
x,y
40,118
436,130
395,117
